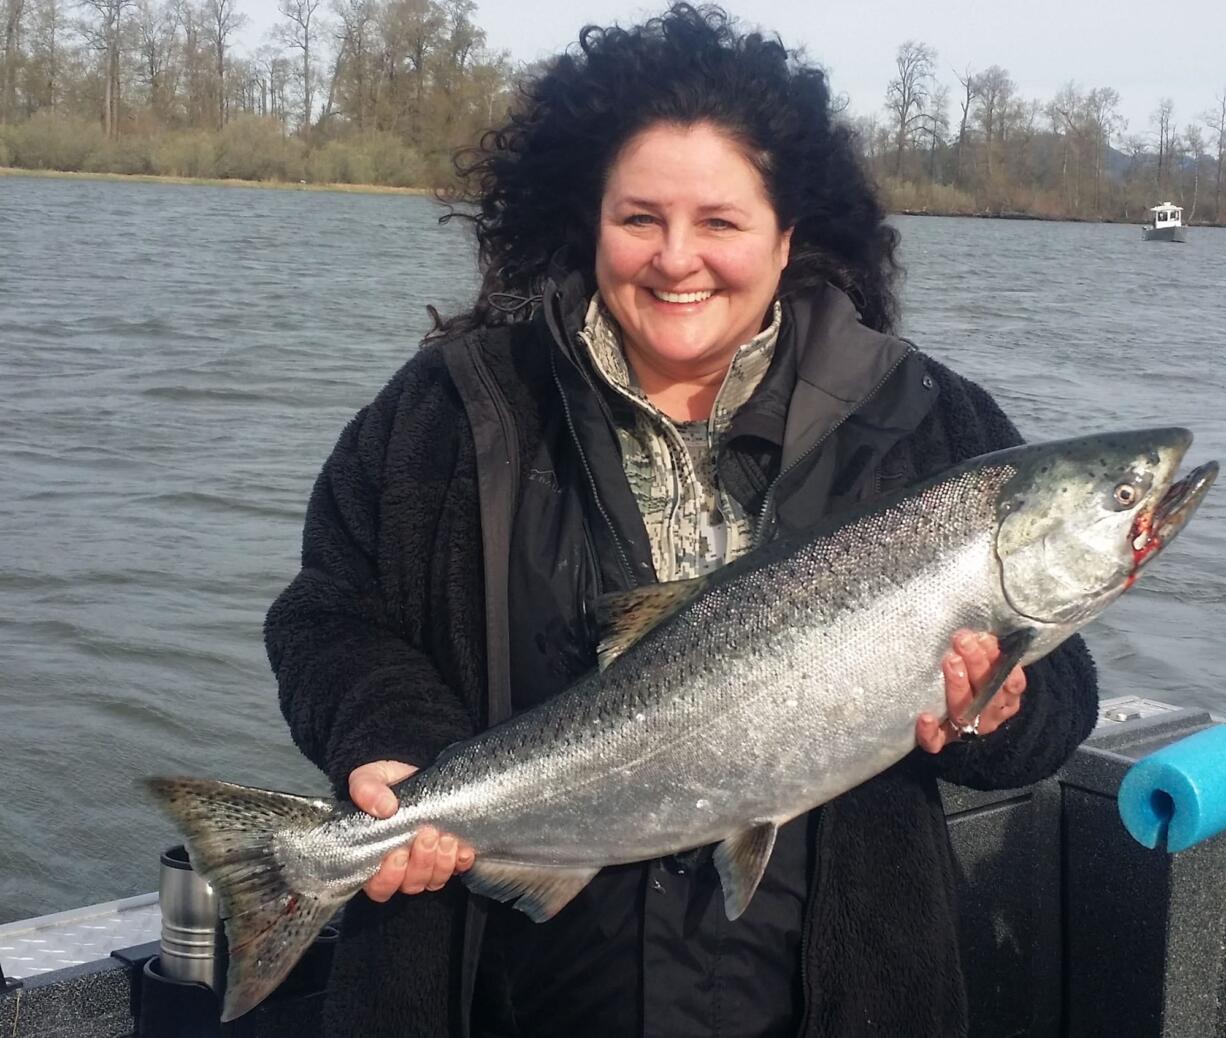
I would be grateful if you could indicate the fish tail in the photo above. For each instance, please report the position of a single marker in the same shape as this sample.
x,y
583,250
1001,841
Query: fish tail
x,y
231,835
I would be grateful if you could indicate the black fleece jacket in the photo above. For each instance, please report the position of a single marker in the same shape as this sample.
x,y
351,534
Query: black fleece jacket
x,y
379,647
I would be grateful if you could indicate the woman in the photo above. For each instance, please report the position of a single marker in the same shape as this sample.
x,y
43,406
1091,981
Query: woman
x,y
682,343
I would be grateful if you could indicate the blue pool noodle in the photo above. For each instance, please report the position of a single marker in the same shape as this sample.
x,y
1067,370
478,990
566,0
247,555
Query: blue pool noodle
x,y
1178,792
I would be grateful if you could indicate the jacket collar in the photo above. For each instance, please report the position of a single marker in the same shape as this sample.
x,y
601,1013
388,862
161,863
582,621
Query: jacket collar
x,y
827,369
827,366
605,350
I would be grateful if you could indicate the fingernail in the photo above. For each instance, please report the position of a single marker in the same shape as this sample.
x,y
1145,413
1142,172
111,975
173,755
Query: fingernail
x,y
465,856
958,667
399,861
429,840
966,641
926,718
447,844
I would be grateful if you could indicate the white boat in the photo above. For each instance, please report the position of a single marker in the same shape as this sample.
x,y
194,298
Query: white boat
x,y
1165,224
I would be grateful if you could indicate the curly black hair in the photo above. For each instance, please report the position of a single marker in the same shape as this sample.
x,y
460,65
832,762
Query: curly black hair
x,y
536,182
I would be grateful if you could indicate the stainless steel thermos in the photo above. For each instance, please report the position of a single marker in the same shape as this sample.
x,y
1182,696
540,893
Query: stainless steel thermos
x,y
193,943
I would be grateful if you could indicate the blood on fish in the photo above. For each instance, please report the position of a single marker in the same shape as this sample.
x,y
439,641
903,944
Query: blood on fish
x,y
1143,531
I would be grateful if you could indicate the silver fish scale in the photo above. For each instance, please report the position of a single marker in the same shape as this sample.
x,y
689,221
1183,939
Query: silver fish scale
x,y
792,678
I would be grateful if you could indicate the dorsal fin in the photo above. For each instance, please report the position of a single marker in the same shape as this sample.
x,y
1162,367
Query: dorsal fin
x,y
623,617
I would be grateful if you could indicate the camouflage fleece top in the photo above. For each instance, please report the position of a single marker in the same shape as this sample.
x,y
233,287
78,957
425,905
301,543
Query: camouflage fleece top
x,y
694,525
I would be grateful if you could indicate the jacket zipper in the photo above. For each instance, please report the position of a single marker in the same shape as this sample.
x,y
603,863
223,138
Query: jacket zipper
x,y
765,516
622,558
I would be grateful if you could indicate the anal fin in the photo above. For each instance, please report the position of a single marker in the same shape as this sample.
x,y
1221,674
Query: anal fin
x,y
741,860
539,891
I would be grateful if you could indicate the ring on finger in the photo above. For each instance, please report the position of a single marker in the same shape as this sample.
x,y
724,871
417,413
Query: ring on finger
x,y
965,730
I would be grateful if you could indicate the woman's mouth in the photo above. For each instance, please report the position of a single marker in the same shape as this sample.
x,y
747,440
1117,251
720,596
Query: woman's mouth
x,y
682,297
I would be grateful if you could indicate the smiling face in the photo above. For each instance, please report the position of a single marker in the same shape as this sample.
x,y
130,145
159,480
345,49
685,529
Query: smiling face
x,y
689,251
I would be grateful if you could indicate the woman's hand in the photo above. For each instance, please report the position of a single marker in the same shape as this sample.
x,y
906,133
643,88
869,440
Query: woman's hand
x,y
966,668
429,862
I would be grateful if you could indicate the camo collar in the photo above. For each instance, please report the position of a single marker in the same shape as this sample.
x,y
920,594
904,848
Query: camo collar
x,y
603,339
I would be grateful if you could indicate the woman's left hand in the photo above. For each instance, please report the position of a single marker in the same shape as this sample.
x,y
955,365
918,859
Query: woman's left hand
x,y
966,668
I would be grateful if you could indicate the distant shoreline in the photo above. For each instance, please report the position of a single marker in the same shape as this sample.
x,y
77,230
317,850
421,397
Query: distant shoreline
x,y
278,185
381,189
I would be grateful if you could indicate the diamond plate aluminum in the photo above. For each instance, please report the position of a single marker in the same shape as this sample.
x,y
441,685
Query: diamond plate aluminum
x,y
32,946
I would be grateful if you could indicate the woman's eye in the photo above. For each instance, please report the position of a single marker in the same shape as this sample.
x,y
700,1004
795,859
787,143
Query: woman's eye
x,y
639,220
720,225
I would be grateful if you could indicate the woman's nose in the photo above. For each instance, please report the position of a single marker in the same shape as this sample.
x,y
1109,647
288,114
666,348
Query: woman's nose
x,y
677,256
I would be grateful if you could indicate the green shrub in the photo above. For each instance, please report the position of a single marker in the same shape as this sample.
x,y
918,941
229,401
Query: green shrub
x,y
393,162
905,195
48,141
369,158
251,148
191,154
337,162
125,155
6,151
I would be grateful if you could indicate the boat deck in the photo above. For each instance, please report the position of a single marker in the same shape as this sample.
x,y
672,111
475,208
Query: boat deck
x,y
29,947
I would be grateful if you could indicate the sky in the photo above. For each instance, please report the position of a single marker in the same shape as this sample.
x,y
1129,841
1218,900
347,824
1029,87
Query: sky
x,y
1145,51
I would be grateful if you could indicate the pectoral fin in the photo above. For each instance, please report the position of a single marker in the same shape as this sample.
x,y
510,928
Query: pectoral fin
x,y
623,617
539,891
741,860
1012,648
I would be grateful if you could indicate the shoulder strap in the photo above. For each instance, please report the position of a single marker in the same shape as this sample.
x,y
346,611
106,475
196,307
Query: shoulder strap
x,y
497,443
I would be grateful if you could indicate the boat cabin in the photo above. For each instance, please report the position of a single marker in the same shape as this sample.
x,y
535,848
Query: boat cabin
x,y
1166,215
1166,224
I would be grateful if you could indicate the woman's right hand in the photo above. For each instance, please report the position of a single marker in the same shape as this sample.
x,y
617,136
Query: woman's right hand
x,y
429,862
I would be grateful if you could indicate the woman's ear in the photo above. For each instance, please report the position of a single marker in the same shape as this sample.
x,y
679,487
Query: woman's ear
x,y
785,247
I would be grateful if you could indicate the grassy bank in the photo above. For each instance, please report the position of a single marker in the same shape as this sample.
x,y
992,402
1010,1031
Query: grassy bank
x,y
247,149
281,185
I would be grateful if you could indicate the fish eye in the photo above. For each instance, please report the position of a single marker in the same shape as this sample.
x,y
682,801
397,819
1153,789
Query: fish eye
x,y
1126,494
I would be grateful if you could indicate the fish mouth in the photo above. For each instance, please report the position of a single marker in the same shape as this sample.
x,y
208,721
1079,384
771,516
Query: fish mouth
x,y
1155,529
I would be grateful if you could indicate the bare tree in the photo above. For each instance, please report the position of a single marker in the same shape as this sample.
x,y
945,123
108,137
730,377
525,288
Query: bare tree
x,y
1104,122
105,36
970,92
1215,120
301,33
46,30
907,94
1023,123
1065,112
157,37
353,79
936,125
1194,141
222,20
275,75
1164,117
12,11
995,91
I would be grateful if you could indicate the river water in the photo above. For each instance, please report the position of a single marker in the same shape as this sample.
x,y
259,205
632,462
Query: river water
x,y
176,362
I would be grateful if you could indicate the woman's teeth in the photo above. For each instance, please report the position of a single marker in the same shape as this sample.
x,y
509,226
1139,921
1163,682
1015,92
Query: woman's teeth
x,y
681,297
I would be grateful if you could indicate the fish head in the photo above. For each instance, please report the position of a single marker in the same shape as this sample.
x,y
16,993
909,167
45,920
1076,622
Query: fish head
x,y
1079,518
